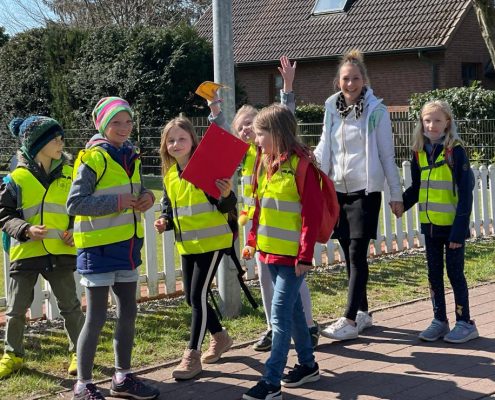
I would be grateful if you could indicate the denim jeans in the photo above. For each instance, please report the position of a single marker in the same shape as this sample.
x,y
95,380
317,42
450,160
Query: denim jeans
x,y
287,321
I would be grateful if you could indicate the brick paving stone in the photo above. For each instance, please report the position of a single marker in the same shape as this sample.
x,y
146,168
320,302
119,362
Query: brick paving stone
x,y
387,362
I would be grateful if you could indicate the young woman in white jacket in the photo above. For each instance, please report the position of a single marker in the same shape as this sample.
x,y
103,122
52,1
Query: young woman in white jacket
x,y
356,150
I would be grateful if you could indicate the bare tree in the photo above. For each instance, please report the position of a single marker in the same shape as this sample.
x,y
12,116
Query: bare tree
x,y
485,12
97,13
23,14
126,13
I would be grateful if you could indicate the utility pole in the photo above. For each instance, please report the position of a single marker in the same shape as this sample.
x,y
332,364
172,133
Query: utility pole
x,y
223,66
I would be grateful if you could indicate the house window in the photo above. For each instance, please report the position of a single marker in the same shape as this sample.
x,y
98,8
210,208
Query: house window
x,y
278,84
470,73
330,6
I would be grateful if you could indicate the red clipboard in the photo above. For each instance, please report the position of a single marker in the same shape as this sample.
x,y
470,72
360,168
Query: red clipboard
x,y
217,157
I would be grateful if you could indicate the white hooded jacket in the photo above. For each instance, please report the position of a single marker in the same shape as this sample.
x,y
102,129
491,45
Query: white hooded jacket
x,y
379,145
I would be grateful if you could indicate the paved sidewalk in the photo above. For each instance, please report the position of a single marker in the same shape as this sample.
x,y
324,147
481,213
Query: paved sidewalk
x,y
386,362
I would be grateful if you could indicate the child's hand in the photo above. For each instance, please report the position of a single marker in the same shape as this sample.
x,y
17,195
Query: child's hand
x,y
288,72
160,225
247,252
127,200
36,232
453,245
225,186
67,238
301,269
215,104
144,202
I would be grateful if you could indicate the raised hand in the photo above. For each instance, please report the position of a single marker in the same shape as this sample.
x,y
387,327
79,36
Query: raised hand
x,y
288,72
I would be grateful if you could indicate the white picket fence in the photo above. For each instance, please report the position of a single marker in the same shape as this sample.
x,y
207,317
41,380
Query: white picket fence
x,y
398,234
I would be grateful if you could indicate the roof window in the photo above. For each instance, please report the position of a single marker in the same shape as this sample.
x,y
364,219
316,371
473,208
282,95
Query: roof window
x,y
331,6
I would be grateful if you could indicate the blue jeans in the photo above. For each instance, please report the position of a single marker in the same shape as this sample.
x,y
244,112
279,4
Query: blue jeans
x,y
287,321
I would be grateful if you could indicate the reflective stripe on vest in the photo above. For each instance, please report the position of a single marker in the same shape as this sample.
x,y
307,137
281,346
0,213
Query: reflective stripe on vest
x,y
42,206
280,222
199,226
437,199
112,179
247,173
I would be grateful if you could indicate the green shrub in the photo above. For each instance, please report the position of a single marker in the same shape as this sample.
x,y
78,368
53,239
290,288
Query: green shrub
x,y
310,113
468,103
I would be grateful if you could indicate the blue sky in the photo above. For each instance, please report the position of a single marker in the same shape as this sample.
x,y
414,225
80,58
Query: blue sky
x,y
14,18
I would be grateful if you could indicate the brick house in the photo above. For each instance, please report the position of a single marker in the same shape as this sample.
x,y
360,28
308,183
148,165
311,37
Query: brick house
x,y
409,45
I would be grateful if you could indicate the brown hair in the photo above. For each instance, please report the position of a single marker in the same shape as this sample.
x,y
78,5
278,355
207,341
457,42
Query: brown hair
x,y
280,123
354,57
179,122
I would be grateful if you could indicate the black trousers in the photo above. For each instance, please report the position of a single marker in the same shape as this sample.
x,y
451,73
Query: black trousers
x,y
436,248
198,271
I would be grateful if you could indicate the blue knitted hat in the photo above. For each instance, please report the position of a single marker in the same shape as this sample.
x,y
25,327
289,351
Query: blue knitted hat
x,y
35,132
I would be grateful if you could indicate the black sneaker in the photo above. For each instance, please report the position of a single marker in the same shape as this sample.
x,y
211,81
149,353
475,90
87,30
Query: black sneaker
x,y
133,388
314,332
89,393
300,375
263,391
265,342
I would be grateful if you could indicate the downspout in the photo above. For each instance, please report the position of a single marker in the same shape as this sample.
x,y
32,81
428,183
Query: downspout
x,y
434,68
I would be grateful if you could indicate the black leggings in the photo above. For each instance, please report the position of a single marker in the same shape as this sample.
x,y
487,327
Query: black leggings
x,y
198,270
356,262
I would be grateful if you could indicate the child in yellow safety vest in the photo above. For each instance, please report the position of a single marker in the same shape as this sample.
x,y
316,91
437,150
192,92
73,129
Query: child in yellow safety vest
x,y
202,235
33,214
442,184
108,198
284,231
242,127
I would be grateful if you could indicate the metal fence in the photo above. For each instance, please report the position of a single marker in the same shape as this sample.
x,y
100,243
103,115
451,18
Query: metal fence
x,y
479,138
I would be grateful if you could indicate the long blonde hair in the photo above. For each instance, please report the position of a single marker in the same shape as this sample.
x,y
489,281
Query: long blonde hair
x,y
354,57
246,109
451,135
279,122
179,122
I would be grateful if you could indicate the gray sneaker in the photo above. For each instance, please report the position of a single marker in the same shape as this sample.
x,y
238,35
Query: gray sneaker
x,y
462,332
89,393
435,331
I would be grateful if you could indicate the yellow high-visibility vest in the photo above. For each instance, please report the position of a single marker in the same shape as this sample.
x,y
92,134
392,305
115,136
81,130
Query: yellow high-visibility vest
x,y
90,231
199,226
437,197
247,174
42,206
280,222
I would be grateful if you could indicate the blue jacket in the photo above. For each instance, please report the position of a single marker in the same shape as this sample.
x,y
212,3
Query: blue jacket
x,y
125,255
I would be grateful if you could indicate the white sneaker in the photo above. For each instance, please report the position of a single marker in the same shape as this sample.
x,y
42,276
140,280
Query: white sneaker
x,y
341,330
363,320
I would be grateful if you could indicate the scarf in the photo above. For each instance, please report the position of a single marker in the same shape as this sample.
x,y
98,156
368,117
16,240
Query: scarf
x,y
344,109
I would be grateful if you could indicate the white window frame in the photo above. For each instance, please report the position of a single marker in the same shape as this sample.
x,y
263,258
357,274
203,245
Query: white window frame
x,y
329,9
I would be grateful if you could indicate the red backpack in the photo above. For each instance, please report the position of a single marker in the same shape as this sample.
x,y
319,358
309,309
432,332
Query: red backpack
x,y
328,197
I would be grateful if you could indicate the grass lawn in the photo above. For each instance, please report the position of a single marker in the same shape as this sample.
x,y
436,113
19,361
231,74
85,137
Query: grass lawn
x,y
162,335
